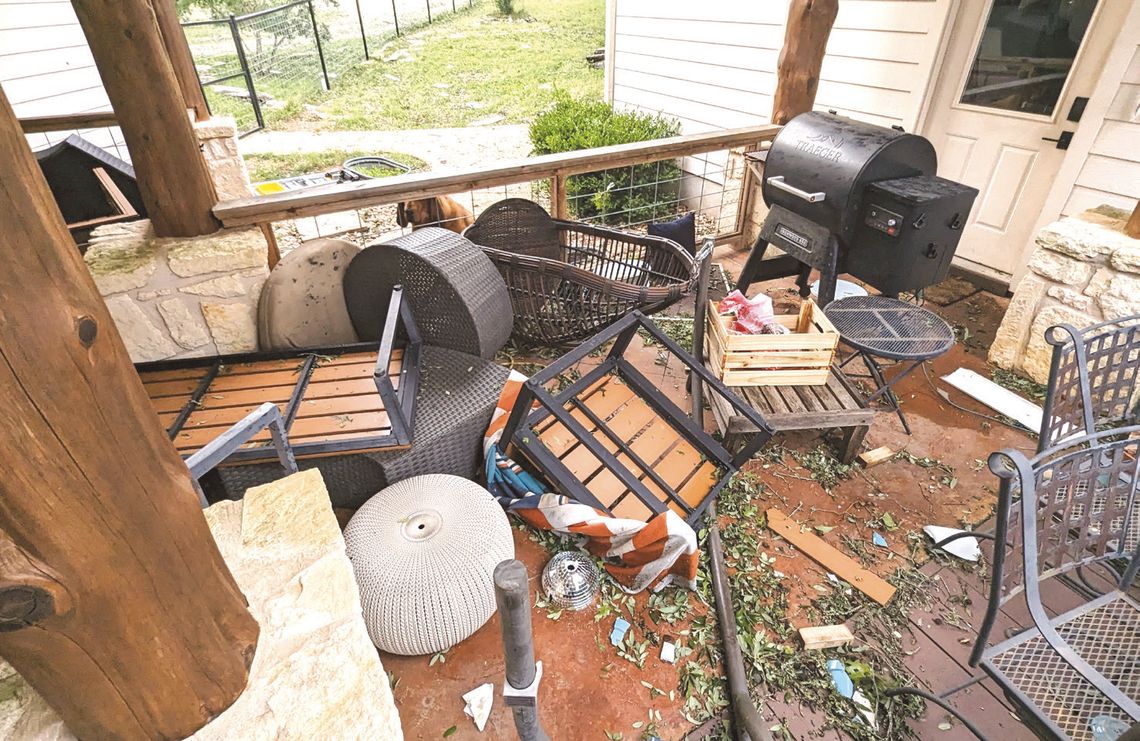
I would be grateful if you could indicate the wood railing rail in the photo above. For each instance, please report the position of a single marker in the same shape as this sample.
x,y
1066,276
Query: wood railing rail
x,y
67,122
349,196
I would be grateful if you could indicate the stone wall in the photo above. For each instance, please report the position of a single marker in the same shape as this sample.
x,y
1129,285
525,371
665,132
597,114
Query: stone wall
x,y
1084,270
316,674
218,138
180,297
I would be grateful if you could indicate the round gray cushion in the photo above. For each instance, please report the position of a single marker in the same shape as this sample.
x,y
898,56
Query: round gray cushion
x,y
424,553
302,303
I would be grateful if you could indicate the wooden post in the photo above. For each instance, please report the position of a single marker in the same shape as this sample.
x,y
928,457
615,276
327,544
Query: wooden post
x,y
129,51
115,603
178,50
797,70
1132,228
559,200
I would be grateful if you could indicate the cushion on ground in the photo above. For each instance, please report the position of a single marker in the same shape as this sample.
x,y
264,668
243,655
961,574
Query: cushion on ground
x,y
424,551
302,303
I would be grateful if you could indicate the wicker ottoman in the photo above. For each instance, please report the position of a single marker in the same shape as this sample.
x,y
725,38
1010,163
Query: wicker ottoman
x,y
424,551
457,296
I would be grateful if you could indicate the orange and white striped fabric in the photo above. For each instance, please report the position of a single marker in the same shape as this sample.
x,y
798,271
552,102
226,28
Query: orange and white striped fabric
x,y
638,555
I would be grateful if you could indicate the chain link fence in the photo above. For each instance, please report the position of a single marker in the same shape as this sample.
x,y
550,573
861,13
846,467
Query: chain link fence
x,y
258,66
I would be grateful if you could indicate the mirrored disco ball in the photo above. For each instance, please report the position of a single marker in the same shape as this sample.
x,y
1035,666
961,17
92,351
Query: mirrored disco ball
x,y
570,581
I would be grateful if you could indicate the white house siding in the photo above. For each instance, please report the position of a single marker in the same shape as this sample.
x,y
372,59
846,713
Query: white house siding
x,y
712,64
1111,172
46,69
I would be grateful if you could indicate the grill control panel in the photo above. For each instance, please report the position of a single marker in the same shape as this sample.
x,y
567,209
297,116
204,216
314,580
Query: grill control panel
x,y
880,219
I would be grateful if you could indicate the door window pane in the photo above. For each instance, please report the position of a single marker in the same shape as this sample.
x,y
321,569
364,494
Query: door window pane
x,y
1025,54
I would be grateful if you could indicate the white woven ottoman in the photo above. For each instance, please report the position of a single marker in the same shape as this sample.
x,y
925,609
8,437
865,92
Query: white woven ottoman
x,y
424,551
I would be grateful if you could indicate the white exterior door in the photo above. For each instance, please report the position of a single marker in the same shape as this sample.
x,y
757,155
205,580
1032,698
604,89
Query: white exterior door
x,y
1013,71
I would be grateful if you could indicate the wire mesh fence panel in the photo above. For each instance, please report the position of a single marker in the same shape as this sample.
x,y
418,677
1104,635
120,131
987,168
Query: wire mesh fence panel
x,y
380,24
283,55
339,27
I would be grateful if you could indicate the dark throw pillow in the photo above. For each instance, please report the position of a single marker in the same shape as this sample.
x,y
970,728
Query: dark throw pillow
x,y
682,230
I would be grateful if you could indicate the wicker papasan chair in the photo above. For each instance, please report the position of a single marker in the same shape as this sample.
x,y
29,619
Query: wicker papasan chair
x,y
569,280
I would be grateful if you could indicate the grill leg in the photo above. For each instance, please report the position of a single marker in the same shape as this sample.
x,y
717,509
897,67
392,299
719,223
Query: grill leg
x,y
751,269
884,386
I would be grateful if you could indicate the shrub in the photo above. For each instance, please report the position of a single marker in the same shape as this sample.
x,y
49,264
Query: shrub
x,y
506,7
624,195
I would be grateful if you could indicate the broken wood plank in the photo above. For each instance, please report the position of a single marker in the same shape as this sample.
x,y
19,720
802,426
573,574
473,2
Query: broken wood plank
x,y
825,636
876,456
833,560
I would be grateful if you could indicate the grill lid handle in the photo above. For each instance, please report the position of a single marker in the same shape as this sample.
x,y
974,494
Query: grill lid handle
x,y
777,181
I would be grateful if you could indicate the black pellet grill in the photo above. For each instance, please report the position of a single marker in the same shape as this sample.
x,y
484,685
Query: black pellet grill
x,y
849,197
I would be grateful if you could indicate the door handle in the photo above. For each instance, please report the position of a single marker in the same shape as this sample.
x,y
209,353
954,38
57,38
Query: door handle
x,y
1063,140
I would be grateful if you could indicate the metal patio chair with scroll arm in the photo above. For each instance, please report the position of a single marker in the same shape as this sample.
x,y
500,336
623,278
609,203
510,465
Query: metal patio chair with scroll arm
x,y
1094,379
1070,506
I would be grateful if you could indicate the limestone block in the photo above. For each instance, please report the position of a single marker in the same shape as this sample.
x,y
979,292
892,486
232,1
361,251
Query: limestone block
x,y
1060,268
1127,259
186,327
290,512
1035,361
225,251
226,286
1072,298
1099,282
233,326
1010,337
121,264
1121,297
1081,239
145,341
218,139
152,295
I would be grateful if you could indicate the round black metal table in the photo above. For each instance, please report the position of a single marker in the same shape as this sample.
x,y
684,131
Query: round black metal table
x,y
881,327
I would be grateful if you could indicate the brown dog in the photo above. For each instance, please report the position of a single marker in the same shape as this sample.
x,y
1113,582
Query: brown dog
x,y
442,211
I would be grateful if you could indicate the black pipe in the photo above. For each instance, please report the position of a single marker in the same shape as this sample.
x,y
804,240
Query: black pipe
x,y
747,720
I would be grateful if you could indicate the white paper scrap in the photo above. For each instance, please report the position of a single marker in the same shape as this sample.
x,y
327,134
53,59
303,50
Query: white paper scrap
x,y
997,397
964,548
479,704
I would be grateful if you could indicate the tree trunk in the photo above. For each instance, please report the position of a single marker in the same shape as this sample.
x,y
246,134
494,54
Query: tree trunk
x,y
129,51
115,603
797,71
178,51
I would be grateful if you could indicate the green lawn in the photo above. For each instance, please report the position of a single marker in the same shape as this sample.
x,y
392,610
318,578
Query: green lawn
x,y
472,65
275,166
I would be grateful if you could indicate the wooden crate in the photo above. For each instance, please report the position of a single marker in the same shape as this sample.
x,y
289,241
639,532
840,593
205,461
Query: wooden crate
x,y
802,358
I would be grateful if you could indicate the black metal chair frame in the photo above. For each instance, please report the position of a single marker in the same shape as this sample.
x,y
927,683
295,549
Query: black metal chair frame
x,y
519,430
1092,379
229,442
400,404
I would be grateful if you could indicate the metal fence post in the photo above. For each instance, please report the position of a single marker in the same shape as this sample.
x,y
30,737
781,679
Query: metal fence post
x,y
428,2
395,17
363,36
512,595
244,62
452,6
320,49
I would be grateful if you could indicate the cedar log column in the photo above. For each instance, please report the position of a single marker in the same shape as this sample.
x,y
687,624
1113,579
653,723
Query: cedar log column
x,y
140,81
115,603
1132,227
181,60
797,71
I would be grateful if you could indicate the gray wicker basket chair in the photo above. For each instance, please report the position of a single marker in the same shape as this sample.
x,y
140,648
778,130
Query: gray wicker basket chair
x,y
569,280
1094,379
458,298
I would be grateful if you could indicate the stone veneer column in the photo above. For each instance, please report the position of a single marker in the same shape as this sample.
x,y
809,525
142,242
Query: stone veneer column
x,y
180,297
218,137
1084,270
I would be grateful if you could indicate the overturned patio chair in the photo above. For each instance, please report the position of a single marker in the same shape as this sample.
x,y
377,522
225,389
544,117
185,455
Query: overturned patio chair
x,y
568,280
611,439
1094,379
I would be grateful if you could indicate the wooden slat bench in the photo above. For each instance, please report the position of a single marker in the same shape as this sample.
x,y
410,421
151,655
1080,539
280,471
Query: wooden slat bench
x,y
335,400
832,405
